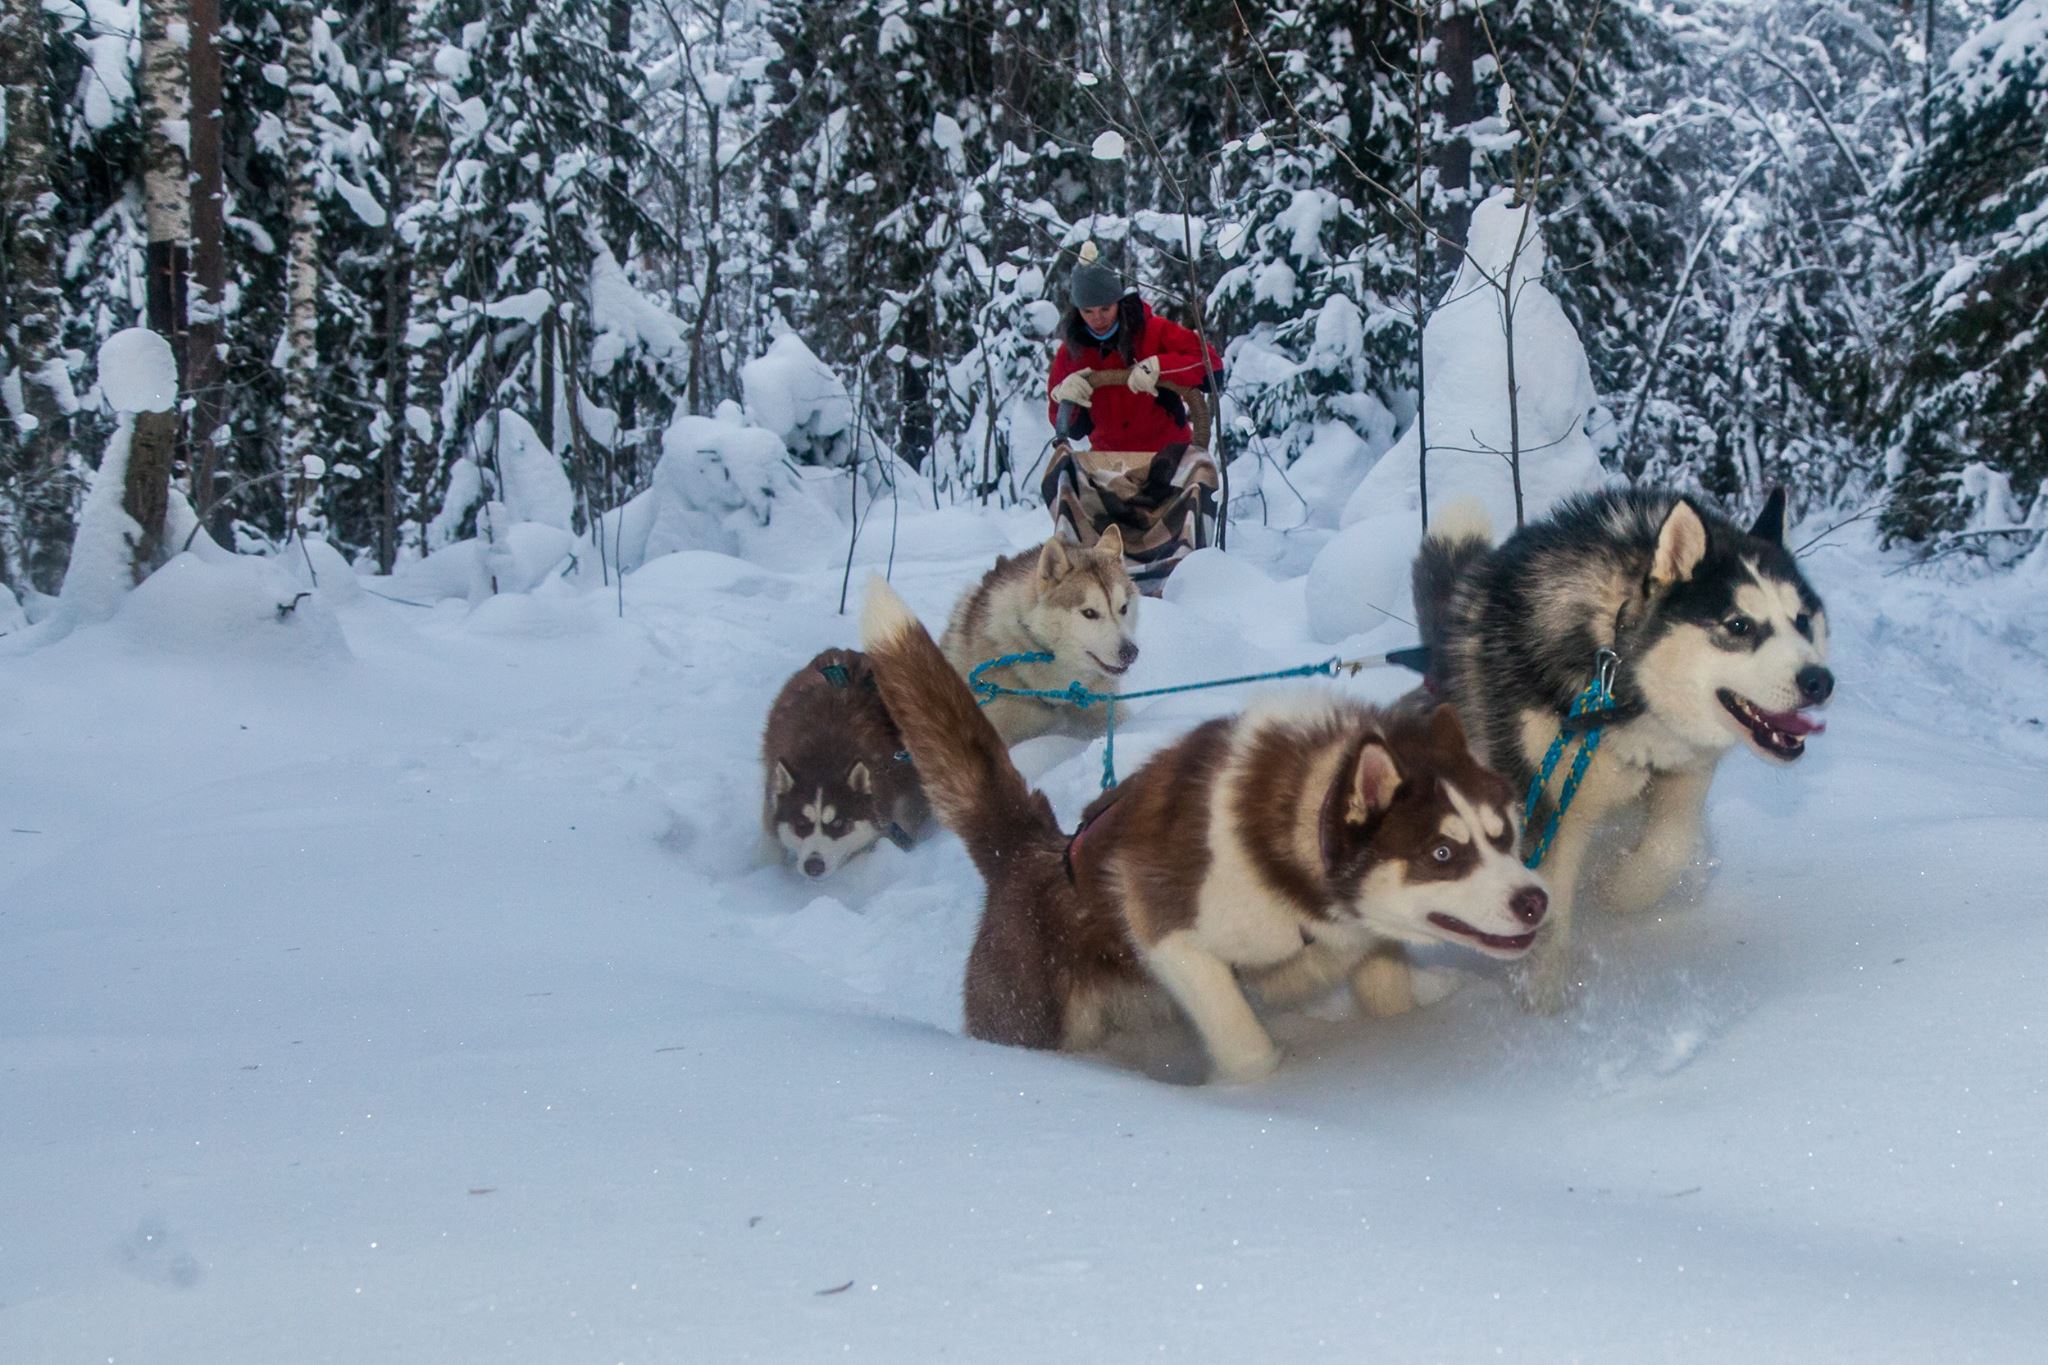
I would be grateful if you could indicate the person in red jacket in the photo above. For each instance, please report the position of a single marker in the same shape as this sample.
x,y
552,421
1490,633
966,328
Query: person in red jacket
x,y
1108,329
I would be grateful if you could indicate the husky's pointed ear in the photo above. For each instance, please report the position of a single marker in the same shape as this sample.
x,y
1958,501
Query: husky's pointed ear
x,y
1770,523
1446,731
857,779
1374,780
1112,542
1054,560
1681,545
784,778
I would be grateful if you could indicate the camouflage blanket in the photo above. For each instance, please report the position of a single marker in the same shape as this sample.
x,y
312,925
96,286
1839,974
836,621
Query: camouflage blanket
x,y
1165,504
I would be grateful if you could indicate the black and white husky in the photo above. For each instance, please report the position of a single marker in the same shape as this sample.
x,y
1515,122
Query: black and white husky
x,y
1718,639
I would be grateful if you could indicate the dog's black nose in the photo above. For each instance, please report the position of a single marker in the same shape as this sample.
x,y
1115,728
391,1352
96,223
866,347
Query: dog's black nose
x,y
1529,904
1127,654
1816,684
814,866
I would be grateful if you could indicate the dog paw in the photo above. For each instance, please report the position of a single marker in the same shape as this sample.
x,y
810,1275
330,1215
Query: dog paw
x,y
1244,1070
1383,986
1626,894
1641,878
1543,987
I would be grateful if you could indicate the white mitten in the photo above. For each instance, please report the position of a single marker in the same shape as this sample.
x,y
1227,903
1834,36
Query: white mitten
x,y
1075,388
1144,376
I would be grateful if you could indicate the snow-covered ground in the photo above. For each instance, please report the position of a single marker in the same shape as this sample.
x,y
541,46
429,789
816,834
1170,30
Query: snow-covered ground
x,y
388,983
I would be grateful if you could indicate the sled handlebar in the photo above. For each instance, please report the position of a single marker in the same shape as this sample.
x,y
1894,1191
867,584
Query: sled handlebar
x,y
1196,400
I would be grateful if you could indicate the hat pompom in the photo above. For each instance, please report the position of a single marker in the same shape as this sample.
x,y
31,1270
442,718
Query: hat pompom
x,y
1088,253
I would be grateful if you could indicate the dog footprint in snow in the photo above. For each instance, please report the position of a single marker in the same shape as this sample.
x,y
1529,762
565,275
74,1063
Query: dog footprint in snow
x,y
152,1253
1678,1049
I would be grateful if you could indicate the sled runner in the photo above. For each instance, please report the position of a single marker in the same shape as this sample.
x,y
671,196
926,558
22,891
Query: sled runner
x,y
1164,503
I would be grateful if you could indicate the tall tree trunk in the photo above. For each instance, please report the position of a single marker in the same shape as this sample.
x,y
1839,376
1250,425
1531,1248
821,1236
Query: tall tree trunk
x,y
1458,47
394,36
424,151
302,271
619,38
203,362
31,307
167,201
618,218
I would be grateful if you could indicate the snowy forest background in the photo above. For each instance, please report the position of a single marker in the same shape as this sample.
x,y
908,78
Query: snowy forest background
x,y
1804,242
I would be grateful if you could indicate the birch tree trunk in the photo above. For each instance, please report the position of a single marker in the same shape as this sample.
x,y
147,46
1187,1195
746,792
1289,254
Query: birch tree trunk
x,y
417,158
302,269
204,366
167,207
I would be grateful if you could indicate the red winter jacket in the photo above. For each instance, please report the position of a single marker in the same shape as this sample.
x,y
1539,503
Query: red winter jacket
x,y
1133,421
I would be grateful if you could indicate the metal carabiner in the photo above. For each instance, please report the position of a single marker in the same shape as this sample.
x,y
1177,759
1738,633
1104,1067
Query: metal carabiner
x,y
1606,663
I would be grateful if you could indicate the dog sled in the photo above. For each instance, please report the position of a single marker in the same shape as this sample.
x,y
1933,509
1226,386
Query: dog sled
x,y
1164,503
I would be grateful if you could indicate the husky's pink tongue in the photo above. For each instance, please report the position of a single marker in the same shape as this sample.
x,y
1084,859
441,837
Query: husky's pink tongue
x,y
1793,722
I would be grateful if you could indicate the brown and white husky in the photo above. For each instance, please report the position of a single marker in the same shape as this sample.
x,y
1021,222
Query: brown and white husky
x,y
836,780
1298,843
1078,605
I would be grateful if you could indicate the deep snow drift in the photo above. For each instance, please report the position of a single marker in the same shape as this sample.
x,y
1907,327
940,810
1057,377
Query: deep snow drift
x,y
392,982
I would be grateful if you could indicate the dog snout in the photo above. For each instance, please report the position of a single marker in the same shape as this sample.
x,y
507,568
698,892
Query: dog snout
x,y
814,866
1529,904
1127,654
1816,684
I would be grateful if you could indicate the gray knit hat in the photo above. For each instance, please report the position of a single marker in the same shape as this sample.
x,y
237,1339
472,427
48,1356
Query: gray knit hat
x,y
1093,285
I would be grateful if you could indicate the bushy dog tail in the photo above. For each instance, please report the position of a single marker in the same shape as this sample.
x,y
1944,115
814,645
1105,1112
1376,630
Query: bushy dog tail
x,y
1459,537
973,787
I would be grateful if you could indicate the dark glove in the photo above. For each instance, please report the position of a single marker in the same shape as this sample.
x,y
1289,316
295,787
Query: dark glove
x,y
1170,401
1073,421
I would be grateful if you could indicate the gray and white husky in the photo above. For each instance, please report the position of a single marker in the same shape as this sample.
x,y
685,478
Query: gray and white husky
x,y
1718,638
1080,606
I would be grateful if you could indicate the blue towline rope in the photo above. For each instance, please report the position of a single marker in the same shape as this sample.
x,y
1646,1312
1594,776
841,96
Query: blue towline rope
x,y
1076,695
1598,696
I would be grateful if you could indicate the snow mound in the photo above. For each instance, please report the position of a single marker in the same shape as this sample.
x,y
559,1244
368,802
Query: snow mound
x,y
795,395
249,608
727,487
102,548
517,557
138,373
626,320
535,487
12,618
1362,574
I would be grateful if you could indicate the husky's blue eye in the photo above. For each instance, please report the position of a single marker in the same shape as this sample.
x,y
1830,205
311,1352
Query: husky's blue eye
x,y
1442,853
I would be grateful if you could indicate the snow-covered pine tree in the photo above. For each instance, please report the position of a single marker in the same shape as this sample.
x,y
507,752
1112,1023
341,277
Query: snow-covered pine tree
x,y
893,109
863,82
339,142
708,120
93,55
1764,367
519,213
1012,164
1975,386
1318,301
36,399
1566,82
